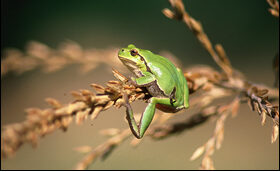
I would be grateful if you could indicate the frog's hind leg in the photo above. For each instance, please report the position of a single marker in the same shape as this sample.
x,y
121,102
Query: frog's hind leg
x,y
186,89
186,96
149,112
147,116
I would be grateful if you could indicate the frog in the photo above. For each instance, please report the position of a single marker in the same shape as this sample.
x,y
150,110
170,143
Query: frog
x,y
162,79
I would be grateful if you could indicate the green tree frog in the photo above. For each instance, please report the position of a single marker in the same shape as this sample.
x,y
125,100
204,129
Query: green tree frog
x,y
166,84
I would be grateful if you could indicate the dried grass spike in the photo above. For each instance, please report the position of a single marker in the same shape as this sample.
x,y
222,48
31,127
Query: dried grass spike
x,y
83,149
66,122
77,95
85,92
38,50
168,13
32,137
95,112
108,105
119,76
98,88
75,107
263,117
197,153
110,131
210,146
219,139
53,102
275,132
235,107
82,115
207,164
262,92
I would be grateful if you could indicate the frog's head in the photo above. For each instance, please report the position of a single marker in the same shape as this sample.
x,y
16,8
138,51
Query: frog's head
x,y
132,59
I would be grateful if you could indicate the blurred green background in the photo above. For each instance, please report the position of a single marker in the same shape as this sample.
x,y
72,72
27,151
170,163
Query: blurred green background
x,y
248,32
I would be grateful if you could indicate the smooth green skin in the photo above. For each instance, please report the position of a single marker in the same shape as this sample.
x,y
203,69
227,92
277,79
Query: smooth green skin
x,y
164,81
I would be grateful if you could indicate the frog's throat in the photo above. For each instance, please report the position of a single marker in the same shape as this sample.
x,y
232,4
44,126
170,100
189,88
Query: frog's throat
x,y
132,66
129,63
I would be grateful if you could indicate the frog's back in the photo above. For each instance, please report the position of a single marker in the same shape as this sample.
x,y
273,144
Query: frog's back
x,y
164,70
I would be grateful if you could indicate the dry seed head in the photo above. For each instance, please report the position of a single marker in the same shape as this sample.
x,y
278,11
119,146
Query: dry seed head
x,y
82,115
115,85
220,122
219,138
207,164
197,153
71,49
262,92
53,102
75,107
33,111
222,54
33,139
119,103
119,76
235,107
207,86
210,146
77,95
98,88
110,131
83,149
95,112
38,50
274,12
196,26
66,122
108,105
168,13
85,92
263,117
275,132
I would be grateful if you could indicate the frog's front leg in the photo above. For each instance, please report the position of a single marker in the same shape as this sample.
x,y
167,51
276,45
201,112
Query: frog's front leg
x,y
146,118
144,80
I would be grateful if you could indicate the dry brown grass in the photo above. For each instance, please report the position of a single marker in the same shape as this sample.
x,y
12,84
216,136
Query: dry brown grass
x,y
205,85
38,55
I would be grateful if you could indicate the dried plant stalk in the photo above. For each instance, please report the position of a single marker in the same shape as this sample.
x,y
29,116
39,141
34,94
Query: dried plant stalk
x,y
103,149
259,101
39,55
40,122
257,97
219,55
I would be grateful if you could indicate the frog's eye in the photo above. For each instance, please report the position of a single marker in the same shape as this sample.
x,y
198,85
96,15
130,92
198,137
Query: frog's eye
x,y
134,52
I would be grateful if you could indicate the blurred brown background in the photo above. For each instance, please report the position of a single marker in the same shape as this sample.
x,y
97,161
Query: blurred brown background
x,y
246,29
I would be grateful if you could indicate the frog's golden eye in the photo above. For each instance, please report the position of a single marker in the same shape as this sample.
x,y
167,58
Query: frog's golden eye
x,y
134,52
